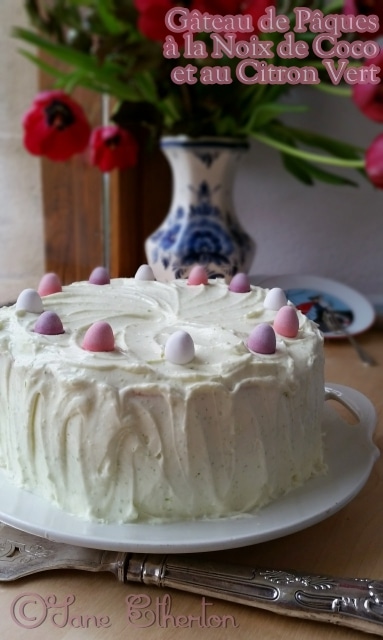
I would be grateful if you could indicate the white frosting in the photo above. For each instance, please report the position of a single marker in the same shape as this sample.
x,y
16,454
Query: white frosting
x,y
128,435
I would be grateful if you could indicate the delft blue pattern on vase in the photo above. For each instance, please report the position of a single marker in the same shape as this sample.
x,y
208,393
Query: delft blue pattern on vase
x,y
199,231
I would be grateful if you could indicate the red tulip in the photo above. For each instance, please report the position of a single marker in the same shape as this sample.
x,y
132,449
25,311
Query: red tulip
x,y
55,126
112,147
369,97
151,19
366,8
374,161
253,8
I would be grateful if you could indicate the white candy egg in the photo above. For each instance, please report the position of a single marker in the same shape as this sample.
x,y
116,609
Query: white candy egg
x,y
144,272
275,299
29,301
179,348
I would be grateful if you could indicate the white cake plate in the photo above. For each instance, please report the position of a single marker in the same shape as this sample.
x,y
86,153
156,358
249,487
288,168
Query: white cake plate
x,y
349,453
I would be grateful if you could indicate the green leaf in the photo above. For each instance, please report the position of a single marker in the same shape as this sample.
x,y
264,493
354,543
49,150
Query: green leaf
x,y
102,78
147,87
170,109
58,51
330,178
276,143
65,81
334,147
307,172
112,24
265,113
67,55
297,168
225,124
334,7
331,89
53,71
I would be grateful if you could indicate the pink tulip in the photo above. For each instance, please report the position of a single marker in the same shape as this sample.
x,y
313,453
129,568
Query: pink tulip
x,y
374,161
369,97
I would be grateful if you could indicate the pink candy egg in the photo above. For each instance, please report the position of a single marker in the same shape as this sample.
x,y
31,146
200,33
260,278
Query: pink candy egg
x,y
286,322
99,337
240,283
262,339
179,348
49,283
275,299
144,272
198,275
99,275
29,300
49,324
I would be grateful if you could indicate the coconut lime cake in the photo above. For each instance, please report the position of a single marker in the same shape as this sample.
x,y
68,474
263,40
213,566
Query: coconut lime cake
x,y
133,400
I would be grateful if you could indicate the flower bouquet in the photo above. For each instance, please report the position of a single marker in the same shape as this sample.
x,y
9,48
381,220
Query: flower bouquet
x,y
130,50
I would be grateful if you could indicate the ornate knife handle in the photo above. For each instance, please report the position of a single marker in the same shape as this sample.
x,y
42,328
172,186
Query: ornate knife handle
x,y
354,603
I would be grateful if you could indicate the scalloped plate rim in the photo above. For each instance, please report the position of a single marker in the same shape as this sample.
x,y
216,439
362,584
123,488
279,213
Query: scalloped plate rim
x,y
362,309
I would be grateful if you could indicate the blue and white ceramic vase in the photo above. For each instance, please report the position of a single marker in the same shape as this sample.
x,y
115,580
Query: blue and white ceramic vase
x,y
201,226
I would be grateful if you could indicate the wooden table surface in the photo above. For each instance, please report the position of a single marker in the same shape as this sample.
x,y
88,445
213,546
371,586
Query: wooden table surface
x,y
349,543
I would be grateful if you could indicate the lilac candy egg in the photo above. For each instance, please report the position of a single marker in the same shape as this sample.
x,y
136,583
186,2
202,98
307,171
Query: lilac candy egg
x,y
275,299
144,272
49,324
49,283
179,348
99,337
262,339
286,322
240,283
99,275
198,275
29,300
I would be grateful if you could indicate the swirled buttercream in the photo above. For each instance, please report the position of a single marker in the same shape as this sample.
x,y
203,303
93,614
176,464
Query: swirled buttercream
x,y
127,435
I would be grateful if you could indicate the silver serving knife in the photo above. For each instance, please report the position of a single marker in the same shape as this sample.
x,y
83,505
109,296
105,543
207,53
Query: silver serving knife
x,y
350,602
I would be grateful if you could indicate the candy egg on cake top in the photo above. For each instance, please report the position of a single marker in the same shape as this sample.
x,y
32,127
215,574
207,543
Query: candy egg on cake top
x,y
49,283
262,339
99,275
179,348
144,272
49,324
198,275
99,337
286,322
240,283
275,299
29,301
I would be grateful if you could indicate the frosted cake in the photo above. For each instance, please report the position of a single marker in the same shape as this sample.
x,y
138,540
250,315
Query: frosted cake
x,y
136,400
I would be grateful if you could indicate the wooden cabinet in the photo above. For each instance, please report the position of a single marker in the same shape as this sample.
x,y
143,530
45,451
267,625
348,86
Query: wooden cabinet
x,y
139,200
77,202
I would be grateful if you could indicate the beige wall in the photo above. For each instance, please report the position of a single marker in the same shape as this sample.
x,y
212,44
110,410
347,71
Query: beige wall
x,y
21,227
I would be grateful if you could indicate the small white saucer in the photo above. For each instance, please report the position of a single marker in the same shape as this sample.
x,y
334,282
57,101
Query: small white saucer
x,y
313,294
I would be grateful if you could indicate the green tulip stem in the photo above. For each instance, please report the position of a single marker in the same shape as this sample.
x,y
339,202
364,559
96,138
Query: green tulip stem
x,y
305,155
343,92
